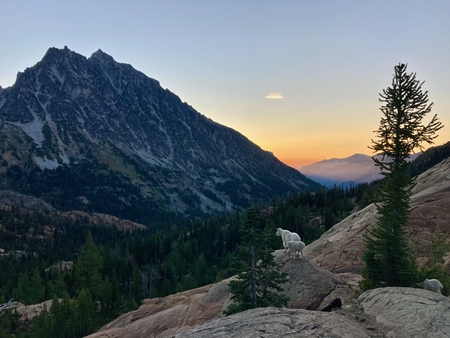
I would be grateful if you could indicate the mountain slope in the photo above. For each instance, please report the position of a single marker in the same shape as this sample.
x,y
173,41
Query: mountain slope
x,y
89,121
357,168
430,158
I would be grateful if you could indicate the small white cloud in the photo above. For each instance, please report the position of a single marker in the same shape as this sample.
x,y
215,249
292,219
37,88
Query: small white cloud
x,y
274,95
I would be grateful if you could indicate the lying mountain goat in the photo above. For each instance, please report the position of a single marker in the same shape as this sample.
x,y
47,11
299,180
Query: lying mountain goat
x,y
287,236
432,285
294,247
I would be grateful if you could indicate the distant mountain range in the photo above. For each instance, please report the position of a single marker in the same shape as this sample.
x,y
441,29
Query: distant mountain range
x,y
96,135
357,168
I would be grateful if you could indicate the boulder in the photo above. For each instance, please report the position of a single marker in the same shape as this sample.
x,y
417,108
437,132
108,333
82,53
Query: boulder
x,y
279,322
309,286
407,312
340,249
164,317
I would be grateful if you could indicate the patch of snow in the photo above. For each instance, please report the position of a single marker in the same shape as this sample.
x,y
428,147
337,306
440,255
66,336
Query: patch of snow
x,y
82,121
169,159
38,83
150,158
217,179
43,163
75,94
169,143
111,82
33,128
188,128
54,129
64,157
207,205
57,74
254,179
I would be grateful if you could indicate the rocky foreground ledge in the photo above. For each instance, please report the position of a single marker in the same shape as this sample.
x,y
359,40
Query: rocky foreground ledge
x,y
276,322
385,312
388,312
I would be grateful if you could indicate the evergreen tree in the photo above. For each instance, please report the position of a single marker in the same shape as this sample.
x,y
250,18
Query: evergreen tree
x,y
41,327
85,313
59,286
166,288
388,259
36,288
87,268
258,283
136,282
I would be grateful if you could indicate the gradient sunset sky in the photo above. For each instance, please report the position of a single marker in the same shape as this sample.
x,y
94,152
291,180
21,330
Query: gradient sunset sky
x,y
298,78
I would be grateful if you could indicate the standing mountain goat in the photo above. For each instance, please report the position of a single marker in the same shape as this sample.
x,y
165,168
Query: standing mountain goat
x,y
432,285
294,247
287,236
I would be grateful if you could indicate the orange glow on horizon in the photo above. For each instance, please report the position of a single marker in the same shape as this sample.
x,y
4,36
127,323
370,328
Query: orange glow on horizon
x,y
297,162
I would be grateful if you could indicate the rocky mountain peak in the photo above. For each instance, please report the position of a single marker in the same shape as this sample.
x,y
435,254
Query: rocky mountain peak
x,y
61,61
101,55
68,109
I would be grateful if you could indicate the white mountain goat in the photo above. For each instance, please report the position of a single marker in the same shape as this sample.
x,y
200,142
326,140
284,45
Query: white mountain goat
x,y
294,247
432,285
287,236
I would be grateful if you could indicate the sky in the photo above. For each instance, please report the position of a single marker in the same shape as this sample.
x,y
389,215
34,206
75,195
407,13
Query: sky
x,y
299,78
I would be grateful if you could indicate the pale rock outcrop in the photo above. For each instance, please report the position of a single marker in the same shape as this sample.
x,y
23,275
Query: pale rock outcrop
x,y
340,249
309,286
97,219
408,312
28,312
279,322
10,198
164,317
385,312
62,266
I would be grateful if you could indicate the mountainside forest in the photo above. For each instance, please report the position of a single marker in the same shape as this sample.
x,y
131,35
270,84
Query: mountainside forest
x,y
118,269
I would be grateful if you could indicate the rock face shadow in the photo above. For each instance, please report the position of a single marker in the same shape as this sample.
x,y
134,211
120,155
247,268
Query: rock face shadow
x,y
309,286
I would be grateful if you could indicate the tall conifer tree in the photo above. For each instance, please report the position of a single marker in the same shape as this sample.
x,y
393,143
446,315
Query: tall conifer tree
x,y
388,259
88,267
258,283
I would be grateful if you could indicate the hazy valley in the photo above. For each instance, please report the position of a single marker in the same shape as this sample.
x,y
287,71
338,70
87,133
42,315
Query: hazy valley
x,y
355,169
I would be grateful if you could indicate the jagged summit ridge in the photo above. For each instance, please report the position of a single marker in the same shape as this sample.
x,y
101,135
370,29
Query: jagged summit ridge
x,y
84,93
75,109
101,55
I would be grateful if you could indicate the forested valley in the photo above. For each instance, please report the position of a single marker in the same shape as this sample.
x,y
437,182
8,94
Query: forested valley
x,y
113,271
